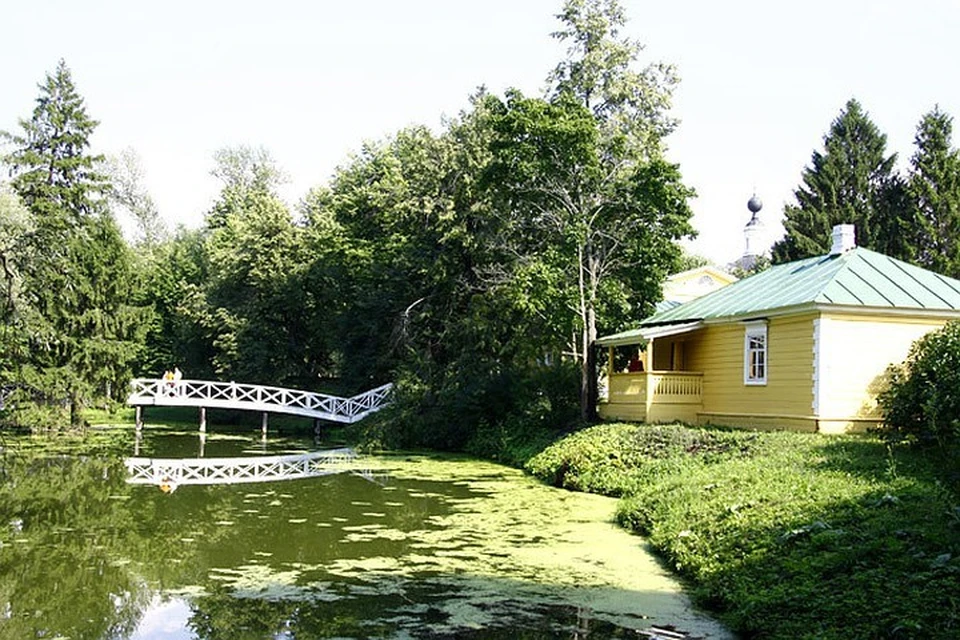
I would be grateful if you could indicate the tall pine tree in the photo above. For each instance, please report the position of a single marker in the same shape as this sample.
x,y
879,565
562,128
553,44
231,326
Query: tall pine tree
x,y
934,192
851,181
86,333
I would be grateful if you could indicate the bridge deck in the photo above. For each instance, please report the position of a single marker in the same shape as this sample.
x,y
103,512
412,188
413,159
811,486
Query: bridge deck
x,y
253,397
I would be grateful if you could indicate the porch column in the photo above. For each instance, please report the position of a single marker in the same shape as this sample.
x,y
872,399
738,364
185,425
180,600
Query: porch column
x,y
609,364
650,385
648,356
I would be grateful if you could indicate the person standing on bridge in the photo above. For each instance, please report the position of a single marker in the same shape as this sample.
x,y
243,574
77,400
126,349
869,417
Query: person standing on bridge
x,y
177,376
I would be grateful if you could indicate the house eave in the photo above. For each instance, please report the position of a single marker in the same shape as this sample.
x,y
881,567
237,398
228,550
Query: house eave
x,y
793,310
899,312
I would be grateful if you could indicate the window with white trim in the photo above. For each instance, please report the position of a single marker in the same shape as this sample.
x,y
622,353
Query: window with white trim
x,y
755,354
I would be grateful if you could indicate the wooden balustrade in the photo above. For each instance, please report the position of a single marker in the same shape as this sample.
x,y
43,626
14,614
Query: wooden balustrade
x,y
655,396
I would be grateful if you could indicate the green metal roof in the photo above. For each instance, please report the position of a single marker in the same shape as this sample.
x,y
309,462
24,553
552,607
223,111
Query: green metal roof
x,y
857,278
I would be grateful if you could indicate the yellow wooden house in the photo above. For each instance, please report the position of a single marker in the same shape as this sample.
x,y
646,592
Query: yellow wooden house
x,y
693,283
803,345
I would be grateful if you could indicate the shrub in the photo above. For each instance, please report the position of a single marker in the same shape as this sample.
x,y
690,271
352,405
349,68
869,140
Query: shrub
x,y
922,398
614,459
493,410
784,535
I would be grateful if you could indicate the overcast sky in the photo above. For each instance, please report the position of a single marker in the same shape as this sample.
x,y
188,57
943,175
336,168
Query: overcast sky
x,y
311,81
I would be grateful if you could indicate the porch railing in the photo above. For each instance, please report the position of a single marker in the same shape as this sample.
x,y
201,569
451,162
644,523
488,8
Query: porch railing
x,y
676,385
655,387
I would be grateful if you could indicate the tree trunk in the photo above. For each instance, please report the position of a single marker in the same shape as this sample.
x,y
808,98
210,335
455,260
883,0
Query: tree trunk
x,y
74,411
588,371
588,336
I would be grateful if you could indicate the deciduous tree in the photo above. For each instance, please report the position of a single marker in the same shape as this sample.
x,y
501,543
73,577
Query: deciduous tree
x,y
600,72
129,196
602,228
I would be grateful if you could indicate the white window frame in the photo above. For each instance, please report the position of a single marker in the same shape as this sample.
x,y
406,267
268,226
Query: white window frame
x,y
752,331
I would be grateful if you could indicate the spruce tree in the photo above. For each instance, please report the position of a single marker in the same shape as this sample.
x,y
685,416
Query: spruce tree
x,y
851,181
934,192
79,278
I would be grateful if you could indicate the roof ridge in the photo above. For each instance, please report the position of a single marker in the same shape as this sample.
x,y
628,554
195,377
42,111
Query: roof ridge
x,y
859,277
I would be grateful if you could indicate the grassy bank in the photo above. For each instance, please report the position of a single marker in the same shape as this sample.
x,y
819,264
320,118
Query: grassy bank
x,y
785,535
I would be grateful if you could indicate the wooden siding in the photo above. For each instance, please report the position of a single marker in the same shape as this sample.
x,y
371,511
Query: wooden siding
x,y
717,351
759,422
636,412
853,352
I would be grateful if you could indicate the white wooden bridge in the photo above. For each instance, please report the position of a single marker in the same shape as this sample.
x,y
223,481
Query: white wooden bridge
x,y
169,473
253,397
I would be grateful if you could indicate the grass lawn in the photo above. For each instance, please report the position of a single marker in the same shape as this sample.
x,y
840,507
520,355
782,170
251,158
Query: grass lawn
x,y
785,535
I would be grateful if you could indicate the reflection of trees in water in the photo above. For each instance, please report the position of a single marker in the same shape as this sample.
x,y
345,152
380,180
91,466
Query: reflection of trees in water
x,y
88,554
56,561
410,608
76,559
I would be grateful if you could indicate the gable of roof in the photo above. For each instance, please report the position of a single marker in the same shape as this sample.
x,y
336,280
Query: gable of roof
x,y
714,273
693,283
857,278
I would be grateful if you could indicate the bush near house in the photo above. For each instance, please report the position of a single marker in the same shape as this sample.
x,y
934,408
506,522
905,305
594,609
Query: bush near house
x,y
922,401
785,535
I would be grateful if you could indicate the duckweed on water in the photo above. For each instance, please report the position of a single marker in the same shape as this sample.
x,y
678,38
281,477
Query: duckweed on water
x,y
448,547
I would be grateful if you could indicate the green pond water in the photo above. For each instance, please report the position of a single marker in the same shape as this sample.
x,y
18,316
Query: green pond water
x,y
420,546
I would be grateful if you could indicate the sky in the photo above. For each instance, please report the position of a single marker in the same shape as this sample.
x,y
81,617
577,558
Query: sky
x,y
310,82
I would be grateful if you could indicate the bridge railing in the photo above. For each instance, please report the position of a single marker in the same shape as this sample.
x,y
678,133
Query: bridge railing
x,y
149,391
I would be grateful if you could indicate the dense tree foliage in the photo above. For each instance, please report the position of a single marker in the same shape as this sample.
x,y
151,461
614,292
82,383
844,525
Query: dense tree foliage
x,y
934,193
83,333
473,265
424,295
597,230
851,182
16,227
922,400
619,172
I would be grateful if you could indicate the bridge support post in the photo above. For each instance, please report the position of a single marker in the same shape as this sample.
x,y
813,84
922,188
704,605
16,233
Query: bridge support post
x,y
263,425
138,421
203,419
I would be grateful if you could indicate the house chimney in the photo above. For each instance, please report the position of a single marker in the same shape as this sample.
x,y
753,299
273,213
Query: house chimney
x,y
844,239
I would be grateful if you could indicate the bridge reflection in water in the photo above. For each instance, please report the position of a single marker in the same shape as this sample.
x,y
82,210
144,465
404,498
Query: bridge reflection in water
x,y
169,473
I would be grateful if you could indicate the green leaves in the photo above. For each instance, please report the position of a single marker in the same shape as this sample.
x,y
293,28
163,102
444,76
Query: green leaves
x,y
922,398
83,332
599,219
851,182
630,105
934,192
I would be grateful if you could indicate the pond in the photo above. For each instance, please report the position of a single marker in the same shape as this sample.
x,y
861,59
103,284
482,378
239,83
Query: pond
x,y
417,546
